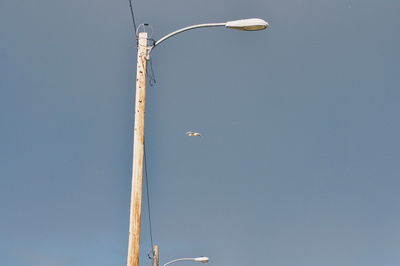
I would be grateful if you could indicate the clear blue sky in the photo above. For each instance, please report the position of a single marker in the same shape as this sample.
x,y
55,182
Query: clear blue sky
x,y
299,160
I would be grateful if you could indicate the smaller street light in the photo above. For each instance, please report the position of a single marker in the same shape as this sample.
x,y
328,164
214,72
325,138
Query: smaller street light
x,y
199,259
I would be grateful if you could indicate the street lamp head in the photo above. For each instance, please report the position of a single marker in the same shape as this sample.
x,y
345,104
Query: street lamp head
x,y
201,259
250,24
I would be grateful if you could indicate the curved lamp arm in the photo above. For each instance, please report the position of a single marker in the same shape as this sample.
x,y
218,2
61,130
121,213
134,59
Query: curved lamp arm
x,y
182,30
200,259
251,24
186,29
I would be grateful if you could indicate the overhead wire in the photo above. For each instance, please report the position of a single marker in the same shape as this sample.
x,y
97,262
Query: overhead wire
x,y
133,16
151,76
152,81
148,201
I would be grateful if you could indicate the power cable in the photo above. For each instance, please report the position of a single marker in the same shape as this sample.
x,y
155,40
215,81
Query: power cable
x,y
148,201
133,16
151,76
144,27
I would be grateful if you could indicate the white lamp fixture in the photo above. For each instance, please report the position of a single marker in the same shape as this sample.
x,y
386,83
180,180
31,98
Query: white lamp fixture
x,y
250,24
201,259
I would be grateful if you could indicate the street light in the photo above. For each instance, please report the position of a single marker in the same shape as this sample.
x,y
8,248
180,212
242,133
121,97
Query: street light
x,y
143,56
199,259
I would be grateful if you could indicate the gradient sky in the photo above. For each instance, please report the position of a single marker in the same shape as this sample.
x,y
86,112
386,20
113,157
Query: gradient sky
x,y
299,160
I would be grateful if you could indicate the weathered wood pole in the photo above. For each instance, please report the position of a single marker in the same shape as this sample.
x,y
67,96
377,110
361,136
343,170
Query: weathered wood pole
x,y
138,150
155,255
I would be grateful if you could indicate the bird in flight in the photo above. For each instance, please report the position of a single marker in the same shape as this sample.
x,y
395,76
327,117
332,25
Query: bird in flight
x,y
193,134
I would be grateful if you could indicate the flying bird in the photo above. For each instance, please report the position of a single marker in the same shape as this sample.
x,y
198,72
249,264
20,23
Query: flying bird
x,y
193,134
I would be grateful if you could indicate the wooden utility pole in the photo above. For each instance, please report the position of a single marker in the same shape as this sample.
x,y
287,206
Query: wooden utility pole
x,y
155,255
138,150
